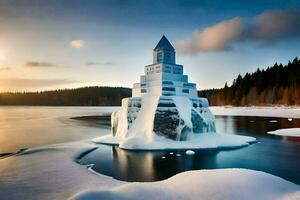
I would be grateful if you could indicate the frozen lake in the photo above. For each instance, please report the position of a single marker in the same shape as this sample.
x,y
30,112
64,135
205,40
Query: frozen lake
x,y
26,127
33,126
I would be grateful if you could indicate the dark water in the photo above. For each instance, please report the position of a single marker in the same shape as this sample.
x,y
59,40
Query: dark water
x,y
276,155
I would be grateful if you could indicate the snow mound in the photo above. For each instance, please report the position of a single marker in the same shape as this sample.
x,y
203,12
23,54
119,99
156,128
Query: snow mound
x,y
222,184
294,132
190,152
199,141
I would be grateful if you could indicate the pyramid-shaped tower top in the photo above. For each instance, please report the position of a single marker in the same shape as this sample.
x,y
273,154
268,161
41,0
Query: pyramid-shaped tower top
x,y
164,44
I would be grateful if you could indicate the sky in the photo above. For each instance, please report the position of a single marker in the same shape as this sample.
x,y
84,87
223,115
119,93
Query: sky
x,y
53,44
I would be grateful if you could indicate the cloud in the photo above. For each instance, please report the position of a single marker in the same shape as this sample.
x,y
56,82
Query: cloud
x,y
38,64
5,68
265,27
77,44
21,84
214,38
98,63
276,24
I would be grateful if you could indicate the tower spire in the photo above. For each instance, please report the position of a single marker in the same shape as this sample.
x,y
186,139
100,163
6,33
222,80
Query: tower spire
x,y
164,44
164,52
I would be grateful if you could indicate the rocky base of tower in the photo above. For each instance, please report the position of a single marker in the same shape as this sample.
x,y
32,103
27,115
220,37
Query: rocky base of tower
x,y
167,122
176,118
165,111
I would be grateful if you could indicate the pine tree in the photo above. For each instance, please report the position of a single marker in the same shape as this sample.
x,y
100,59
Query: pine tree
x,y
278,84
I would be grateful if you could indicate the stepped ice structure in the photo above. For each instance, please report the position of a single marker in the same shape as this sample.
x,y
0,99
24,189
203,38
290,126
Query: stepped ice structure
x,y
164,108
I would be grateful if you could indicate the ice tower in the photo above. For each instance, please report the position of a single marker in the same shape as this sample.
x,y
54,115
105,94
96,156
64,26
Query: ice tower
x,y
164,104
164,76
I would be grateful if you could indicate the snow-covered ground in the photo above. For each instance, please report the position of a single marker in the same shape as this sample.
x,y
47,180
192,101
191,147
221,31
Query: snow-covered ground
x,y
199,141
51,173
225,184
295,132
287,112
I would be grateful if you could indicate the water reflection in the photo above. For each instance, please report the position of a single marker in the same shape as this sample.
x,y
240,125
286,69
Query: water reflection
x,y
145,165
32,126
273,154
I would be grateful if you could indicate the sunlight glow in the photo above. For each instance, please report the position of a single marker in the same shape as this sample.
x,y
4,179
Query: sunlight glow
x,y
2,55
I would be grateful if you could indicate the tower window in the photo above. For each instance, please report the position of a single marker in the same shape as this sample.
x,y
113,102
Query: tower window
x,y
159,57
167,57
143,90
168,89
185,91
188,85
168,82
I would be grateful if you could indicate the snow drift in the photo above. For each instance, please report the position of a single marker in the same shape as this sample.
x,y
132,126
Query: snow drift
x,y
225,184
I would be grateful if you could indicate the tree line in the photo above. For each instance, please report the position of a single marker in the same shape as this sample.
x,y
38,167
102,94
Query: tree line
x,y
276,85
86,96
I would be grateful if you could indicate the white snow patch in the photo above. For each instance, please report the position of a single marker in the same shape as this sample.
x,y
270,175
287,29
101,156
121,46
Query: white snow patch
x,y
190,152
142,127
286,112
295,132
184,107
52,171
121,117
199,141
221,184
273,121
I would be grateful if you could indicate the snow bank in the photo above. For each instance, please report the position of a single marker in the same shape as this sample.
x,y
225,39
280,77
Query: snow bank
x,y
224,184
295,132
287,112
199,141
49,173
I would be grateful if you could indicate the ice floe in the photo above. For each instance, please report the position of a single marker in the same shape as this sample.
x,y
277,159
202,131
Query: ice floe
x,y
287,112
190,152
294,132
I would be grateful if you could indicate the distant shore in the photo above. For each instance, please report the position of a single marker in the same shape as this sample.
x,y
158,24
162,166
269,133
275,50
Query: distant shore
x,y
224,106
